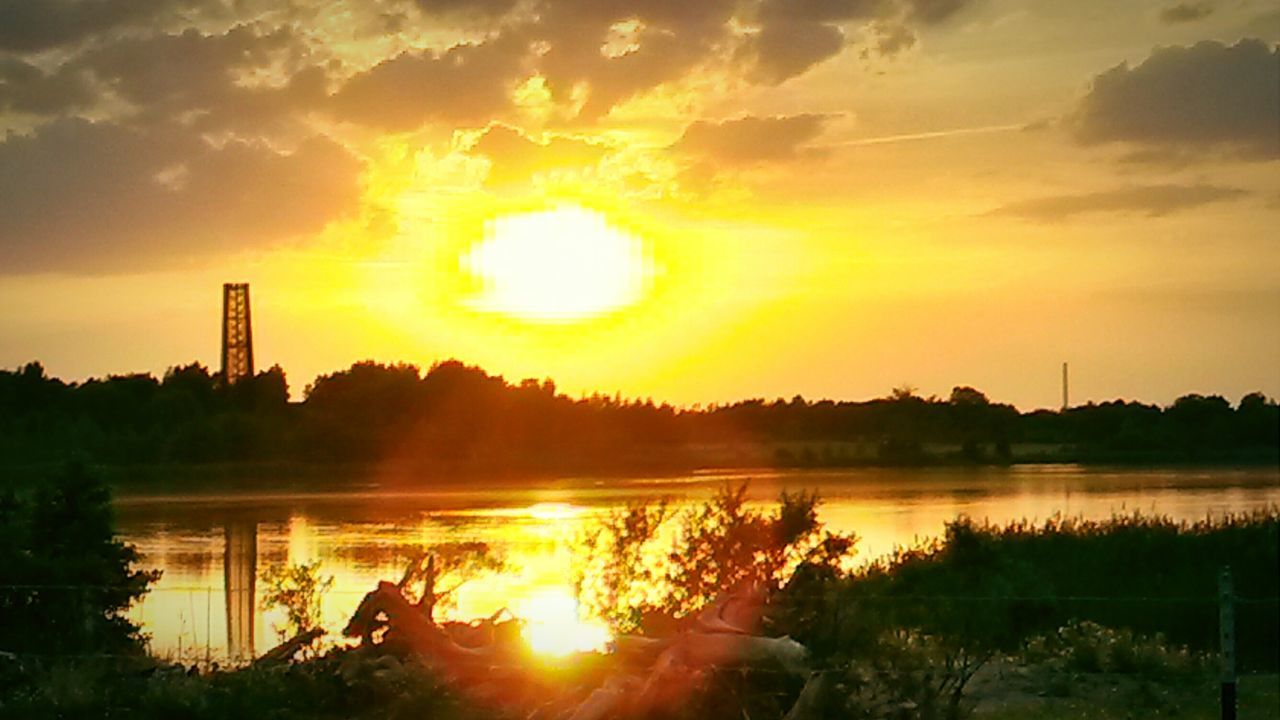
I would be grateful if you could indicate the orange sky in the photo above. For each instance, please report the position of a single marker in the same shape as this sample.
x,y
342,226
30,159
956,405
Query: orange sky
x,y
696,202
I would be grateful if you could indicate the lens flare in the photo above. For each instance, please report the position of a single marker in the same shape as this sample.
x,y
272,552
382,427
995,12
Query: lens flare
x,y
553,626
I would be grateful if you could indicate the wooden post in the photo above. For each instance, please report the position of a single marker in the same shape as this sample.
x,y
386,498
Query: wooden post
x,y
1227,636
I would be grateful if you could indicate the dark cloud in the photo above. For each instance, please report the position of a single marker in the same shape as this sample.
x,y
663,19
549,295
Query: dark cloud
x,y
1149,200
932,12
892,38
1186,12
192,76
826,10
1208,97
186,70
665,14
466,8
662,56
192,100
797,35
783,50
514,156
32,25
766,41
95,197
469,83
751,140
26,89
671,39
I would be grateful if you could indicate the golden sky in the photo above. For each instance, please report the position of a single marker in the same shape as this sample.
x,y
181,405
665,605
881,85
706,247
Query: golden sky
x,y
692,201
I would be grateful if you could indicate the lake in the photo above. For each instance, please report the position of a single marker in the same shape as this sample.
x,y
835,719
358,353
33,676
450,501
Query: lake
x,y
213,546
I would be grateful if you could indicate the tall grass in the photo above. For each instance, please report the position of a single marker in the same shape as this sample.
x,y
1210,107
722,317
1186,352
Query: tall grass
x,y
991,586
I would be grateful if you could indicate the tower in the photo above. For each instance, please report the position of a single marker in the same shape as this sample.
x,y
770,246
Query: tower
x,y
237,333
1066,397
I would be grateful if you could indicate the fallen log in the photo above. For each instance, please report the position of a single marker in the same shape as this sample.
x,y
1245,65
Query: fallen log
x,y
642,675
729,650
285,651
404,619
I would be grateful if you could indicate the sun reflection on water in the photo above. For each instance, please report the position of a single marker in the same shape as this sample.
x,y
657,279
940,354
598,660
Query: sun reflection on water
x,y
363,539
554,626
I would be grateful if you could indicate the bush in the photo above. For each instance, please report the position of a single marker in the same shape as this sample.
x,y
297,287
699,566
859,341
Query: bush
x,y
65,581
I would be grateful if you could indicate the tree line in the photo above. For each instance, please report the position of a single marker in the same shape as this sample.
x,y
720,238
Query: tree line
x,y
456,416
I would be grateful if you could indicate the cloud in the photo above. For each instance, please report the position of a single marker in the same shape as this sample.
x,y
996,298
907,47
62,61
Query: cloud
x,y
514,157
244,73
933,12
468,83
826,10
668,42
796,35
783,50
27,89
1208,98
751,140
186,70
190,76
34,25
1149,200
892,38
136,132
467,8
1186,12
95,197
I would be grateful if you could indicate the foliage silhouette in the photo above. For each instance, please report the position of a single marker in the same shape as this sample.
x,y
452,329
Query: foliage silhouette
x,y
298,590
65,581
459,418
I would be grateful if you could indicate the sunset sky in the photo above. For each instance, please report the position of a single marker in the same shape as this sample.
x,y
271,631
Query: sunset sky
x,y
693,200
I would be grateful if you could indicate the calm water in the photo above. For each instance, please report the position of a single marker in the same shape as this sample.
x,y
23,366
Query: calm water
x,y
210,547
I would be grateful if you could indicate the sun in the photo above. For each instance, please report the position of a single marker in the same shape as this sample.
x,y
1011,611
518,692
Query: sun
x,y
561,265
553,626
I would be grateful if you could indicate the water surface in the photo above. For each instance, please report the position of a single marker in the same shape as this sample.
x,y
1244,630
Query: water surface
x,y
211,546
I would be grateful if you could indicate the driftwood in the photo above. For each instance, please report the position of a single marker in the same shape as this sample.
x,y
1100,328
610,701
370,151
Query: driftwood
x,y
642,675
285,651
407,623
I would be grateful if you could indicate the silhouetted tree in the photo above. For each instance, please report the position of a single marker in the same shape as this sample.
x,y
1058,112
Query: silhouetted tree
x,y
65,581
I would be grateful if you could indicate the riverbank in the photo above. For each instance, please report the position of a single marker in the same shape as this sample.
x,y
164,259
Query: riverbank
x,y
1066,619
297,476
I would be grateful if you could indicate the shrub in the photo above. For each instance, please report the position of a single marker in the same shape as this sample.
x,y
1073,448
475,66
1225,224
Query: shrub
x,y
65,581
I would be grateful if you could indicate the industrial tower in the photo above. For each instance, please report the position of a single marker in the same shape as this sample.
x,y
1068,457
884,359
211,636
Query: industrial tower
x,y
237,333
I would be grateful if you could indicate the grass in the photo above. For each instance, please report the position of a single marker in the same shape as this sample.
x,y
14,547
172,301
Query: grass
x,y
1123,697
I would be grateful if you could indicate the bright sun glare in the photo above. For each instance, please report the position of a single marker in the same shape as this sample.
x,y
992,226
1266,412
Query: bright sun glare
x,y
559,265
553,627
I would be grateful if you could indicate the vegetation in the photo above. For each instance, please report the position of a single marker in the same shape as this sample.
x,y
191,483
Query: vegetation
x,y
1134,596
991,589
65,581
145,689
458,418
634,574
1004,621
299,591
